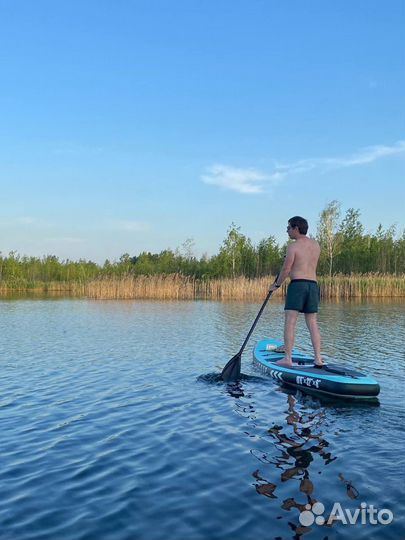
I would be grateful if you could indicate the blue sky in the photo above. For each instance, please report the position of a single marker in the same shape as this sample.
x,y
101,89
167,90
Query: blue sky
x,y
134,125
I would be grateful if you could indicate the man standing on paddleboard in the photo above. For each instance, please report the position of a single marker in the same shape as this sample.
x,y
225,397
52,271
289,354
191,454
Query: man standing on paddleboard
x,y
303,291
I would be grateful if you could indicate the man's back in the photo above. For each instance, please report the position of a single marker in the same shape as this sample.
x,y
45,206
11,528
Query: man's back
x,y
306,255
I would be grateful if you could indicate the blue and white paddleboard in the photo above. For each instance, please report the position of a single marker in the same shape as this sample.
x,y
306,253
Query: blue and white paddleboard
x,y
332,379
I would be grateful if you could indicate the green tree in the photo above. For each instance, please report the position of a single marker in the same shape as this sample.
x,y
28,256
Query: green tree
x,y
268,256
352,244
399,254
385,248
230,253
327,234
188,248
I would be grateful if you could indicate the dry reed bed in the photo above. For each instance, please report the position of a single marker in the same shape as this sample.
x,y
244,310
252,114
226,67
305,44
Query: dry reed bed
x,y
178,287
181,287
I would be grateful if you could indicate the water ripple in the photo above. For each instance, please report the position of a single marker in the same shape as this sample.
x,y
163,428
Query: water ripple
x,y
108,431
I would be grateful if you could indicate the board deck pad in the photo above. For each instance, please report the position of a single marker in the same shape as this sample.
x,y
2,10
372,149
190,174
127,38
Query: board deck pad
x,y
303,362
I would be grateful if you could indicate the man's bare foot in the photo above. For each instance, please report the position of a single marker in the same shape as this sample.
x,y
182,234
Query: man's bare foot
x,y
284,362
279,349
319,363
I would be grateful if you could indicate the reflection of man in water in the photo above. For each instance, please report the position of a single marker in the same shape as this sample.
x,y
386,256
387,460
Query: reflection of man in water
x,y
303,292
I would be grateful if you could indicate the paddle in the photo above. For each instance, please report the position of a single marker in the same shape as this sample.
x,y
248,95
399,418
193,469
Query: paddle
x,y
231,371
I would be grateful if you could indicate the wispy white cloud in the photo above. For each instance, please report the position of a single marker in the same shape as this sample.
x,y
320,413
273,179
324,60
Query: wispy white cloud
x,y
65,240
128,225
254,181
70,148
19,221
25,220
241,180
363,156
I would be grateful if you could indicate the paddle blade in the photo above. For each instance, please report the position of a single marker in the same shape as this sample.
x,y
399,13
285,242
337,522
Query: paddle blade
x,y
231,371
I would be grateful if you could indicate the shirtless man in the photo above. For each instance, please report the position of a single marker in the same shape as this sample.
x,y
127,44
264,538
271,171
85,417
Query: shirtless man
x,y
303,292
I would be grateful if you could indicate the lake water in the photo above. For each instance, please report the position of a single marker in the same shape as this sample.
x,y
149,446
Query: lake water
x,y
107,432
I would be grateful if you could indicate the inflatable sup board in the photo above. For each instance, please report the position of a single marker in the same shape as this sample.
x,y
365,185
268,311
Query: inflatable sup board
x,y
332,379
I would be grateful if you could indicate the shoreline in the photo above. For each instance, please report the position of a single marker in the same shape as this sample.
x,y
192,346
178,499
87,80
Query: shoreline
x,y
179,287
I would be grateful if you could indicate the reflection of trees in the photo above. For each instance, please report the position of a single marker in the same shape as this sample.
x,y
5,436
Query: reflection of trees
x,y
297,442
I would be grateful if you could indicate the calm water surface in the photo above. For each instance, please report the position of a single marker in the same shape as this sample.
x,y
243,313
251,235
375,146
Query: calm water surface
x,y
107,432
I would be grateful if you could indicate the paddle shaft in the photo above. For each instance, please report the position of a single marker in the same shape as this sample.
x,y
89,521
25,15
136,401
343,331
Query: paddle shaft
x,y
257,318
231,371
255,321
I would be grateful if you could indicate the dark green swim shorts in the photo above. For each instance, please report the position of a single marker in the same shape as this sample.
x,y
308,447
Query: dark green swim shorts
x,y
302,296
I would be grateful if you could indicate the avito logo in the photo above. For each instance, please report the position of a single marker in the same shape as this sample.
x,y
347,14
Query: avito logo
x,y
366,514
307,517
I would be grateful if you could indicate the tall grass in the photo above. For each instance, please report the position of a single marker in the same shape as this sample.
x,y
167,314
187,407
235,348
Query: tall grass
x,y
179,287
362,286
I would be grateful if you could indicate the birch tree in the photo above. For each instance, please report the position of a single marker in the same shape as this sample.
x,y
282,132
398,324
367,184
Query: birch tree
x,y
327,231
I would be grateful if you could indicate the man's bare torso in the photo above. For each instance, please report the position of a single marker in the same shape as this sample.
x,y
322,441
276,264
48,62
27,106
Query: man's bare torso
x,y
306,255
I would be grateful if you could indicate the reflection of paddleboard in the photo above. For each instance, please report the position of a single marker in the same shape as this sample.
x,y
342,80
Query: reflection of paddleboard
x,y
332,379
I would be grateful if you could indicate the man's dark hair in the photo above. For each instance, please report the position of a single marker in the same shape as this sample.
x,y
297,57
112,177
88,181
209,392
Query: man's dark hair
x,y
300,222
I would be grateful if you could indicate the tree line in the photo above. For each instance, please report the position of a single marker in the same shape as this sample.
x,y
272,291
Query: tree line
x,y
346,249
